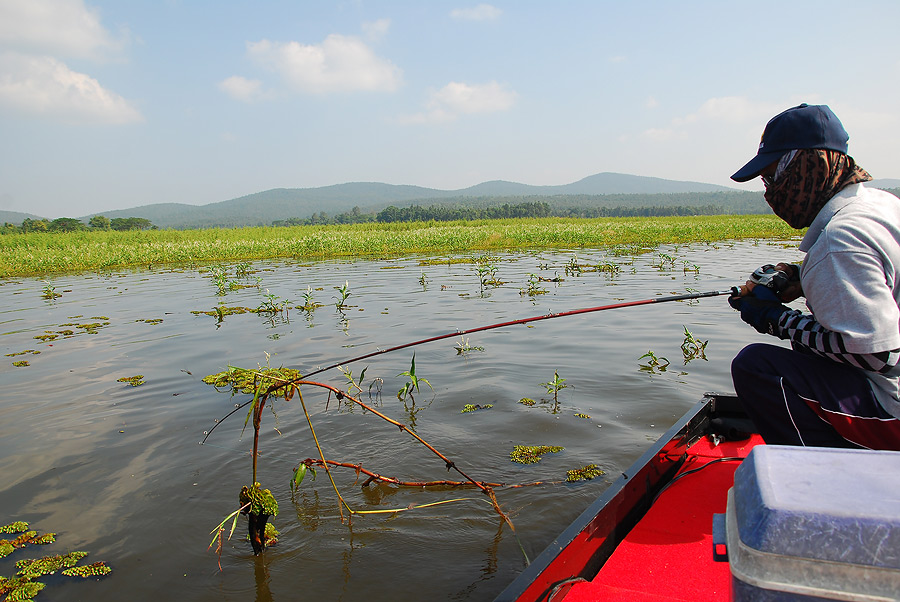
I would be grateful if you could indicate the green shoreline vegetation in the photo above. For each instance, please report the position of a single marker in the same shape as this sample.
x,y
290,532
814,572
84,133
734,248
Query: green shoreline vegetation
x,y
43,253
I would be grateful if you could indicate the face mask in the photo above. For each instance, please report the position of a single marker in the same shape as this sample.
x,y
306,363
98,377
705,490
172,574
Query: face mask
x,y
808,181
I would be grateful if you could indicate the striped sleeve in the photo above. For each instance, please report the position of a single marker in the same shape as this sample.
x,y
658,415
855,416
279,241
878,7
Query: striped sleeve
x,y
803,330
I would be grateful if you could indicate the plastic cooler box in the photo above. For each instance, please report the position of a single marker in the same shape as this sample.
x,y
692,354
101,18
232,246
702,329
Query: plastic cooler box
x,y
815,524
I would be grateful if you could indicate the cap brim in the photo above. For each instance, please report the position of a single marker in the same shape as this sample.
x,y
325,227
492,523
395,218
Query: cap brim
x,y
756,165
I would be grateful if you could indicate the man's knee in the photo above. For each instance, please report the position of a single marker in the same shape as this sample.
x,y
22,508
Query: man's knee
x,y
752,360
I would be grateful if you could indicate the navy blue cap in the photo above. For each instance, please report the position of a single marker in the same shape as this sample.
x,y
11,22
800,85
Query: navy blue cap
x,y
804,126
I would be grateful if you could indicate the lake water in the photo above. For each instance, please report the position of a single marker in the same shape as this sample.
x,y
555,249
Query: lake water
x,y
117,470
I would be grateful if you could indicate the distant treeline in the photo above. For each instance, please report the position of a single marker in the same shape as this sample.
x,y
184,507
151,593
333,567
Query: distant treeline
x,y
442,213
460,208
71,224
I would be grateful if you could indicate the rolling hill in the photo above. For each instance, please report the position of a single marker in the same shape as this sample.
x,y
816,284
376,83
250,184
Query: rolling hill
x,y
262,208
599,190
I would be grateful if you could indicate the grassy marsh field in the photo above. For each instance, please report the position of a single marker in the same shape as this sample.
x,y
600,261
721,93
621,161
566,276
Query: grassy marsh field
x,y
39,254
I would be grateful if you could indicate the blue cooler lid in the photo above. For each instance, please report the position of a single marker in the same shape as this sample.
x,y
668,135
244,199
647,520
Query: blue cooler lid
x,y
829,504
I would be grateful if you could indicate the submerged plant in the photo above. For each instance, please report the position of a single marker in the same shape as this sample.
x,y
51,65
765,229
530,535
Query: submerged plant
x,y
692,348
485,274
345,292
299,474
608,267
308,303
272,304
49,291
664,262
219,277
412,383
463,347
348,374
573,268
259,504
555,386
654,363
533,287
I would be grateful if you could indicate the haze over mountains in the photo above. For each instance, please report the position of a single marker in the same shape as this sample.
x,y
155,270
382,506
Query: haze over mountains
x,y
263,208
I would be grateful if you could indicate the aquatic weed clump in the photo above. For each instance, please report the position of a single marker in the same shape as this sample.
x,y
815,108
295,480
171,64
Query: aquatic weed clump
x,y
531,454
247,381
222,311
135,381
260,504
23,586
472,408
16,527
261,500
8,546
585,473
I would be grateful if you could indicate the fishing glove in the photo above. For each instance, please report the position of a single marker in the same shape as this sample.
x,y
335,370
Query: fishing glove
x,y
761,309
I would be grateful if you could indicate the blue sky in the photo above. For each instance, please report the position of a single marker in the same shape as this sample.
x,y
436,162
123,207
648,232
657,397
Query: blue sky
x,y
113,104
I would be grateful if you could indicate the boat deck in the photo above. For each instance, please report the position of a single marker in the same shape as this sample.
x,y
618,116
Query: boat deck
x,y
669,554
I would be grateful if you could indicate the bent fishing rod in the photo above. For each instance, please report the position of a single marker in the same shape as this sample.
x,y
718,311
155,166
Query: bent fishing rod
x,y
733,291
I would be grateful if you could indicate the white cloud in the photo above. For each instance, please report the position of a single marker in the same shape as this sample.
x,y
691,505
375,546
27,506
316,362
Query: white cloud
x,y
241,88
56,27
44,86
482,12
660,134
376,30
717,112
734,109
339,64
458,98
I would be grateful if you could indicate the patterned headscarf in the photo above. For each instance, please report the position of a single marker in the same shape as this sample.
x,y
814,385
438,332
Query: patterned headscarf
x,y
808,181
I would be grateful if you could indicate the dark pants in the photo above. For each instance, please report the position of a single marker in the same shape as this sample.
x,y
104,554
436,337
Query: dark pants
x,y
800,399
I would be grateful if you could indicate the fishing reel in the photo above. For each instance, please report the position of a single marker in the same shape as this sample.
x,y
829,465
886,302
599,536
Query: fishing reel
x,y
773,279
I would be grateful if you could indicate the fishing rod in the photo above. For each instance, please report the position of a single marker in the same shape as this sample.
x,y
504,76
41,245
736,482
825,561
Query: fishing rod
x,y
733,291
686,297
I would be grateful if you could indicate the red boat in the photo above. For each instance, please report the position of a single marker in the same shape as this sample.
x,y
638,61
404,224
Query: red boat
x,y
793,524
651,524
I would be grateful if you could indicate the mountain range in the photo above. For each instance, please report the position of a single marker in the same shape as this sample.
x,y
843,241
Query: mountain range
x,y
602,189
